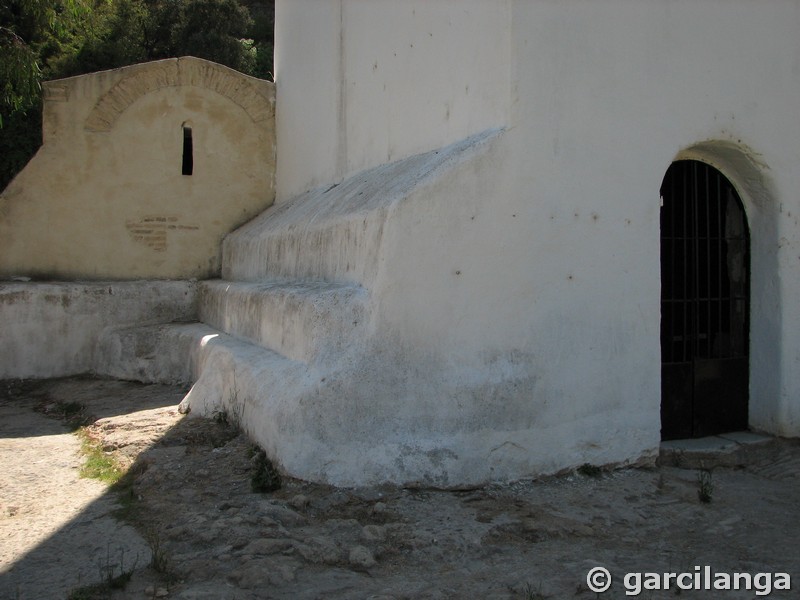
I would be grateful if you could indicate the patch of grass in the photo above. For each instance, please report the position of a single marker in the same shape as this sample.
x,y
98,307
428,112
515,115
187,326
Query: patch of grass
x,y
705,486
590,470
99,464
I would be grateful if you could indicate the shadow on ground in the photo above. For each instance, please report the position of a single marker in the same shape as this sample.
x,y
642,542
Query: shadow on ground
x,y
61,531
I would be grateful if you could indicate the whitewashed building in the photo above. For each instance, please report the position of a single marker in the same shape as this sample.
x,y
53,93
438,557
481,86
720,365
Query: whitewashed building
x,y
511,237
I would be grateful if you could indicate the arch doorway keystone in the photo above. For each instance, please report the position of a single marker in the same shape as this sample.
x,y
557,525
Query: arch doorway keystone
x,y
705,303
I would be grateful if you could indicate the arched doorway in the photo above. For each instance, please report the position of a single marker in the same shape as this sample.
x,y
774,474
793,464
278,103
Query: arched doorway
x,y
705,304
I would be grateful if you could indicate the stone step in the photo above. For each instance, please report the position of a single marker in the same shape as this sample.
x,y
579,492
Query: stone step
x,y
224,371
725,450
239,377
302,320
259,390
335,233
151,354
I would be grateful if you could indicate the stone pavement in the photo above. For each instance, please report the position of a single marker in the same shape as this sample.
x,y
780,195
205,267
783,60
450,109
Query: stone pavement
x,y
217,539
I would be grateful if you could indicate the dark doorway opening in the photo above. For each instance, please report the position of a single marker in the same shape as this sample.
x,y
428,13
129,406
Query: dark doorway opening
x,y
705,289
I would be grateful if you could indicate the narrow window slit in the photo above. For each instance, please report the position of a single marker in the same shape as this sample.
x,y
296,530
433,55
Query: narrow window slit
x,y
188,159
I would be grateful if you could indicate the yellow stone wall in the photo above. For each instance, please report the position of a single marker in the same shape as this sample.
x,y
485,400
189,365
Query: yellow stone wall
x,y
105,197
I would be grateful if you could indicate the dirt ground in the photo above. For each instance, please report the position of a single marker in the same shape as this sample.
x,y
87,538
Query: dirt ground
x,y
187,525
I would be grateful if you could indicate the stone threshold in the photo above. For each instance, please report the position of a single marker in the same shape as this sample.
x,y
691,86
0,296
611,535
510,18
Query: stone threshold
x,y
737,449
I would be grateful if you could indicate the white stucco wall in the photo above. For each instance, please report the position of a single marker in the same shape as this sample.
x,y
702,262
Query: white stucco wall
x,y
603,109
364,83
537,265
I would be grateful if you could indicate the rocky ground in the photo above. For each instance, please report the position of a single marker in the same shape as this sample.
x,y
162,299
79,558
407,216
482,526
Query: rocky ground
x,y
186,524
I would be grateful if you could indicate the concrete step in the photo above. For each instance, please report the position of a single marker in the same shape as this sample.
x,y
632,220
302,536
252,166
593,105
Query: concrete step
x,y
302,320
51,329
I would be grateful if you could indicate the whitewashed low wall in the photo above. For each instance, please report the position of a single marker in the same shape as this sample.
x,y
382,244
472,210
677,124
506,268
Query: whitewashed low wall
x,y
54,329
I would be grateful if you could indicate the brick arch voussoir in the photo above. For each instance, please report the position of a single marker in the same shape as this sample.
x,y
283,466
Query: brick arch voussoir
x,y
244,91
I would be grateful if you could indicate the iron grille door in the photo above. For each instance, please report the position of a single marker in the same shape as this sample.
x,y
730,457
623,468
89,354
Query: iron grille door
x,y
704,304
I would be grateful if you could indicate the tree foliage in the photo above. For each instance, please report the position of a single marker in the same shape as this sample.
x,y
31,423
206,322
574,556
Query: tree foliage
x,y
31,32
19,73
142,30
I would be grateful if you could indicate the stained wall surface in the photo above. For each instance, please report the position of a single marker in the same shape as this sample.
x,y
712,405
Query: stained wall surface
x,y
55,329
105,197
365,83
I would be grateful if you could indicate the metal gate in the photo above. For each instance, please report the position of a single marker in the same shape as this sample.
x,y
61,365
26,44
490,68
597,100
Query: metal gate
x,y
704,304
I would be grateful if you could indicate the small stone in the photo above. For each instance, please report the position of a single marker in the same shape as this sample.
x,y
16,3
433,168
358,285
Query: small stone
x,y
361,556
161,593
258,573
283,515
379,507
268,522
149,591
373,533
343,527
267,546
299,502
319,550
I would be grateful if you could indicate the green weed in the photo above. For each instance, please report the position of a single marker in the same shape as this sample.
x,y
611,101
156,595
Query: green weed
x,y
705,487
98,464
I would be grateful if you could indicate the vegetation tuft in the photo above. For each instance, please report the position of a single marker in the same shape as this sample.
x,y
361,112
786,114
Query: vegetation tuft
x,y
159,561
705,486
589,470
265,477
113,576
99,464
532,593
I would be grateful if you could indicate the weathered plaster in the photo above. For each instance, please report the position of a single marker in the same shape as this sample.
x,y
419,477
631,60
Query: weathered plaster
x,y
386,80
56,329
437,383
104,198
514,289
